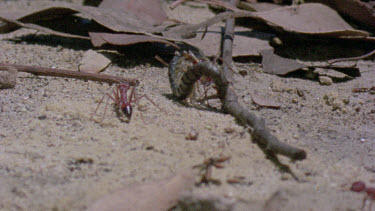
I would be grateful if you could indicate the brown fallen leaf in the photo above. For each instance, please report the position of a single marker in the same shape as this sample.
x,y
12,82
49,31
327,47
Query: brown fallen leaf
x,y
12,25
264,102
361,11
157,196
247,42
93,62
274,64
313,19
117,21
308,19
333,74
149,11
98,39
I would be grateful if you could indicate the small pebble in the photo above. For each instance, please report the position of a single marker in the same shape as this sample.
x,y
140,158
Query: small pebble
x,y
324,80
8,78
192,136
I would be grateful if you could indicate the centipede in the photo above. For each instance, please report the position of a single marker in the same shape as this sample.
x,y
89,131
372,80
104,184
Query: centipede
x,y
185,69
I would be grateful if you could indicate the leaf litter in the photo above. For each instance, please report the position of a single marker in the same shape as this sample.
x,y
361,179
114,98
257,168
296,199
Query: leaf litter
x,y
311,19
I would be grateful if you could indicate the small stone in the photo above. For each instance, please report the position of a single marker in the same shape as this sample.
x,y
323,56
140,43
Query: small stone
x,y
324,80
243,73
229,130
192,136
286,176
42,117
337,104
8,78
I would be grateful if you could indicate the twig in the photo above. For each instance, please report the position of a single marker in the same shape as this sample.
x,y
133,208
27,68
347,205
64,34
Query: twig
x,y
222,77
260,132
213,2
45,71
352,58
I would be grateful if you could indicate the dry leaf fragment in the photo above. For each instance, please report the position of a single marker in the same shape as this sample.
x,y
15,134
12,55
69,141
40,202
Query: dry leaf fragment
x,y
274,64
331,73
117,21
247,42
98,39
93,62
362,11
316,19
149,11
264,102
157,196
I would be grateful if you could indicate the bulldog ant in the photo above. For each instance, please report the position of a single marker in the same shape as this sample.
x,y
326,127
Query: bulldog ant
x,y
360,186
122,101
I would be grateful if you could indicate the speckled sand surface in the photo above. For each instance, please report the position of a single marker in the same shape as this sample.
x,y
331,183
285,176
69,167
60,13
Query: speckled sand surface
x,y
53,156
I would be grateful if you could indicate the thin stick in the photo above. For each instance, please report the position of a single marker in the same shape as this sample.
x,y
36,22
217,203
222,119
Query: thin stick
x,y
260,132
351,58
45,71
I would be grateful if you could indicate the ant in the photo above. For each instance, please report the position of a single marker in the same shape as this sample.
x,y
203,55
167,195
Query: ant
x,y
122,101
360,186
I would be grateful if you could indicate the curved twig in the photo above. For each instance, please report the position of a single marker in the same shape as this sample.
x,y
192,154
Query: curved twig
x,y
222,77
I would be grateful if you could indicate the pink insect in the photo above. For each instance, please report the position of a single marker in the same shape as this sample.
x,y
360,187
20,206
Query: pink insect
x,y
122,100
360,186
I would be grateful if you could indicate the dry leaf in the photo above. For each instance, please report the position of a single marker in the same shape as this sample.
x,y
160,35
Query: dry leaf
x,y
247,42
114,20
336,75
274,64
12,25
157,196
93,62
149,11
307,19
362,11
264,102
316,19
98,39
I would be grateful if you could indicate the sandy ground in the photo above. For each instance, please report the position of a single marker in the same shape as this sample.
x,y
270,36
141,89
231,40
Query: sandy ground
x,y
54,157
